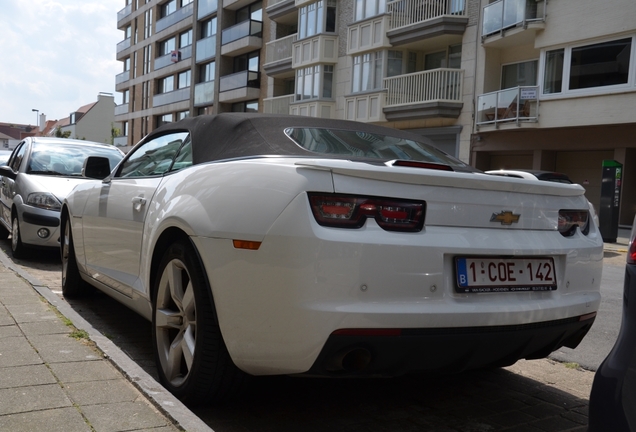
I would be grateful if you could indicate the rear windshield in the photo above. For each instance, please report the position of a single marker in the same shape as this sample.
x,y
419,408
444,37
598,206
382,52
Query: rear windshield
x,y
355,144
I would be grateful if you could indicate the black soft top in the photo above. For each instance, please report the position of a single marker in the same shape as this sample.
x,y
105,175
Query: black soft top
x,y
237,135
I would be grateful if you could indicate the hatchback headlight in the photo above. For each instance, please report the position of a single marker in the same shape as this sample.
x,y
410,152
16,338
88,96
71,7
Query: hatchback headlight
x,y
44,200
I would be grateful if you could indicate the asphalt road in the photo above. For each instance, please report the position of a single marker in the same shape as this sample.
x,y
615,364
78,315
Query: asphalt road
x,y
485,400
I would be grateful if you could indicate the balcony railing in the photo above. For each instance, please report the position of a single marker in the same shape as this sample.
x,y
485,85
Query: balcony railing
x,y
510,105
273,2
121,141
206,7
504,14
121,109
169,59
408,12
239,80
426,86
278,104
124,12
204,93
279,49
206,48
174,17
241,30
123,45
122,77
171,97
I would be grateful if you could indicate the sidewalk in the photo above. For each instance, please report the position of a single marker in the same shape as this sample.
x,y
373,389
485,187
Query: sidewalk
x,y
57,373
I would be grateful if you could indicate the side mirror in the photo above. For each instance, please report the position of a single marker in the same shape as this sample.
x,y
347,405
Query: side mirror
x,y
96,167
6,171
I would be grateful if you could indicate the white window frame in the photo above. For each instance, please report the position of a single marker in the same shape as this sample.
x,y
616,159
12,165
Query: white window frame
x,y
503,65
361,8
592,91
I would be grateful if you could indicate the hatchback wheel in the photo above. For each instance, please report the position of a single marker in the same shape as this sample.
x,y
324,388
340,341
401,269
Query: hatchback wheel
x,y
17,248
72,283
192,359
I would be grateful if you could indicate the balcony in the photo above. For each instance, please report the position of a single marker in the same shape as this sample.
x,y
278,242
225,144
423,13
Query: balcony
x,y
282,11
171,97
204,93
321,109
512,22
170,59
121,141
207,7
122,77
429,94
235,4
278,57
123,45
365,107
123,14
278,104
206,49
121,109
315,50
414,20
240,86
242,38
513,105
368,35
174,18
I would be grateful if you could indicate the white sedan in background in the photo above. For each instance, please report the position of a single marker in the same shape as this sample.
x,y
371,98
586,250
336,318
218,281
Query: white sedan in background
x,y
268,245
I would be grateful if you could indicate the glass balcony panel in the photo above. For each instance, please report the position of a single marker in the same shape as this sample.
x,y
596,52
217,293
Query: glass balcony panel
x,y
204,93
509,105
241,30
207,7
123,45
493,17
514,12
124,12
122,77
239,80
171,97
121,109
174,18
206,48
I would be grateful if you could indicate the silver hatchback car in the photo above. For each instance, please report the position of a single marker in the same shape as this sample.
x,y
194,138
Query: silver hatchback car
x,y
39,174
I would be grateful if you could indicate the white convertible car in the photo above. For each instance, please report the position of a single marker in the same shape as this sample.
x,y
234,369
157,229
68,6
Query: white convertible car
x,y
261,245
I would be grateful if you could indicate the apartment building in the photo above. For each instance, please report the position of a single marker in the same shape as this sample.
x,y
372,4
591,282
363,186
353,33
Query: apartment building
x,y
501,84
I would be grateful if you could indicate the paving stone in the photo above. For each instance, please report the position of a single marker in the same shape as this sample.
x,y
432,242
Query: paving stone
x,y
554,424
543,410
26,376
16,351
45,328
123,417
52,420
25,399
84,371
101,392
60,348
9,331
24,313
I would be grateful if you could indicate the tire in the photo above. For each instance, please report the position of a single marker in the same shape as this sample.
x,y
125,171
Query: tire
x,y
192,360
73,285
17,248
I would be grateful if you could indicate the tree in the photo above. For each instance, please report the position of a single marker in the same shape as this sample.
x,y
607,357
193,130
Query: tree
x,y
60,134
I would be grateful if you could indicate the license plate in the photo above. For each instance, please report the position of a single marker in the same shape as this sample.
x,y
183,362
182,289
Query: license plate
x,y
491,274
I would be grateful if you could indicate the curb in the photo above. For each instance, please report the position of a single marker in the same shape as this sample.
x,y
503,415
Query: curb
x,y
161,398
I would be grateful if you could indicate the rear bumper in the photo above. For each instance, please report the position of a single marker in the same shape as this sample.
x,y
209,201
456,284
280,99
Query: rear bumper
x,y
447,350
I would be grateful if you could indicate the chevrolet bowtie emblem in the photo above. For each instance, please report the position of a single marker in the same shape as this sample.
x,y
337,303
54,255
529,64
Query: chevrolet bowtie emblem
x,y
506,217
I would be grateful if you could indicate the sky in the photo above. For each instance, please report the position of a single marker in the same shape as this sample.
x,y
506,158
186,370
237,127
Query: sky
x,y
57,55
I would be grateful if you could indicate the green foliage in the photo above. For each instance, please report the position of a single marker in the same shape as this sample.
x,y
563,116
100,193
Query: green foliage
x,y
60,134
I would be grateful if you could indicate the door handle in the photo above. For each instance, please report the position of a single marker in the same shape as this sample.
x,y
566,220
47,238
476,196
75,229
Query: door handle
x,y
138,203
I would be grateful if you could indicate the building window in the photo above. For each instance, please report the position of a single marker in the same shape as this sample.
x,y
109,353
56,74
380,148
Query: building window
x,y
125,97
208,28
185,2
248,106
400,63
184,79
147,59
207,72
368,8
314,82
164,119
127,64
168,8
247,61
167,46
124,129
182,114
519,74
185,39
251,12
128,32
316,18
166,84
587,67
148,24
367,72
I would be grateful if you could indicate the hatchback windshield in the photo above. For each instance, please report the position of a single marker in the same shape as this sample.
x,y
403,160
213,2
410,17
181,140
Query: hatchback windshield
x,y
357,144
66,159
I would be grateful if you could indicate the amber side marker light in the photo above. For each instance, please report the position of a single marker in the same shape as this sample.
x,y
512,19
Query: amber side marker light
x,y
244,244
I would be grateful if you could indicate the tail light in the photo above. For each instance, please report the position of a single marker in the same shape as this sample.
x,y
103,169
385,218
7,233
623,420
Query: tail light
x,y
570,219
349,211
631,252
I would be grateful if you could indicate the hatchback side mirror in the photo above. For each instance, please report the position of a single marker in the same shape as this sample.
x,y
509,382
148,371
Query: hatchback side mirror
x,y
6,171
96,167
